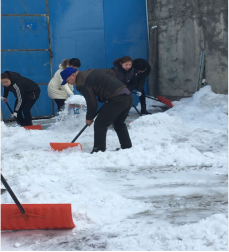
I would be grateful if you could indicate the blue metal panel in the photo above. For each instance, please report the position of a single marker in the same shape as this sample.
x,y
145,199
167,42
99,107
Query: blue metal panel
x,y
126,31
77,30
24,32
96,32
25,41
23,7
33,65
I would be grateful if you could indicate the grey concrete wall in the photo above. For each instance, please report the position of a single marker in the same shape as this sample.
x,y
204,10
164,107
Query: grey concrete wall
x,y
184,28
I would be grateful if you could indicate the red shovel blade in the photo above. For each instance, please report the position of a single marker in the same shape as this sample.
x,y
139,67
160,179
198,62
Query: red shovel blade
x,y
33,127
62,146
37,216
165,101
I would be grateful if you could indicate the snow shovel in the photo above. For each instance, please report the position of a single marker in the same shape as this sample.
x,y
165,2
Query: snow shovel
x,y
160,99
62,146
30,127
136,109
34,216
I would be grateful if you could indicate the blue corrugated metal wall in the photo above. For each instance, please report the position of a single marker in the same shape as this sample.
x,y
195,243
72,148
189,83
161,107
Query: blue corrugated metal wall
x,y
96,32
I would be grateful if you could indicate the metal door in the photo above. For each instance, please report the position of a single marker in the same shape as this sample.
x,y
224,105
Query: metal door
x,y
96,32
26,48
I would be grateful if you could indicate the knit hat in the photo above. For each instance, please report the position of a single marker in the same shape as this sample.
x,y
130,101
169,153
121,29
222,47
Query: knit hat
x,y
140,64
66,73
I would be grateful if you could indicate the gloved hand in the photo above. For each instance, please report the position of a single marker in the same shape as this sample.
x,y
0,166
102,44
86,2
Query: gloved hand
x,y
4,99
14,114
71,95
138,93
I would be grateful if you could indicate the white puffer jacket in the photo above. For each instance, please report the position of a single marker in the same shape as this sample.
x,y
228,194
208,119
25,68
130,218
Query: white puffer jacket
x,y
55,90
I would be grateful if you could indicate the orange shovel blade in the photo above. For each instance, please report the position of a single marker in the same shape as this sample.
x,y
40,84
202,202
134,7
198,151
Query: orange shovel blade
x,y
62,146
165,101
33,127
37,216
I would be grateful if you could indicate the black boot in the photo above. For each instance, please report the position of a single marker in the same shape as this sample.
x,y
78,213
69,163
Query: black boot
x,y
145,112
142,99
97,150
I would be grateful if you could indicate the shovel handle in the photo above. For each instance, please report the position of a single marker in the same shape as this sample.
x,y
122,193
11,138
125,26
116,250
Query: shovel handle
x,y
79,133
12,112
136,109
9,107
150,97
12,195
83,129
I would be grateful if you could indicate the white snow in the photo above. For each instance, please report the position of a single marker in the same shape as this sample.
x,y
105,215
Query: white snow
x,y
76,99
168,192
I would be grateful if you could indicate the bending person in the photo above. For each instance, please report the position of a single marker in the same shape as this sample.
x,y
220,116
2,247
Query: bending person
x,y
143,70
26,92
60,93
117,103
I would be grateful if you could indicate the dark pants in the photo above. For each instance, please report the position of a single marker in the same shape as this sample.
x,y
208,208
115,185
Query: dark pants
x,y
26,106
60,104
113,111
142,100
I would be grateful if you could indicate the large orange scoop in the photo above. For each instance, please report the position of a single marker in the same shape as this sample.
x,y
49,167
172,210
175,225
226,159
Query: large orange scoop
x,y
34,216
33,127
62,146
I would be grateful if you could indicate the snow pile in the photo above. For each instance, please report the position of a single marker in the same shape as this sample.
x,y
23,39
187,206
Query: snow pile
x,y
168,192
76,99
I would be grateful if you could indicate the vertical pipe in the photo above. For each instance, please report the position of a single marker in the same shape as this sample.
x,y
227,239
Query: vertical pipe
x,y
50,51
153,61
147,21
49,38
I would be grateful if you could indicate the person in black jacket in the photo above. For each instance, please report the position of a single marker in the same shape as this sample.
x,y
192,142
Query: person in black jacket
x,y
26,92
124,72
117,103
143,70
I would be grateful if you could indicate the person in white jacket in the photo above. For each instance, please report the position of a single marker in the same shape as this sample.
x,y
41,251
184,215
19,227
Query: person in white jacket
x,y
60,93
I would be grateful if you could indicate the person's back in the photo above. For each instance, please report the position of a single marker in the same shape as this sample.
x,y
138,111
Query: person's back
x,y
143,70
117,103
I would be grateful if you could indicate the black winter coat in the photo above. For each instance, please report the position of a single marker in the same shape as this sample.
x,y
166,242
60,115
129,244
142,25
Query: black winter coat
x,y
127,77
97,83
141,77
22,88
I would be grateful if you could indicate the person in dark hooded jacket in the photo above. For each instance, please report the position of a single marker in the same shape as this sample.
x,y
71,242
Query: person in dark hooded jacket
x,y
26,92
143,69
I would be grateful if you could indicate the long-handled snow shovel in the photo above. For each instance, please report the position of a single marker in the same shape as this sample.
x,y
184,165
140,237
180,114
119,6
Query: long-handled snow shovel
x,y
160,99
34,216
31,127
62,146
136,109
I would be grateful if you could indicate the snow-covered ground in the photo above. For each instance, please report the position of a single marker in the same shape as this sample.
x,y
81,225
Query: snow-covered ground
x,y
168,192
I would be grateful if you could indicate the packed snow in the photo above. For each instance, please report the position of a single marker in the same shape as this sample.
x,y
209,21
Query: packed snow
x,y
168,192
